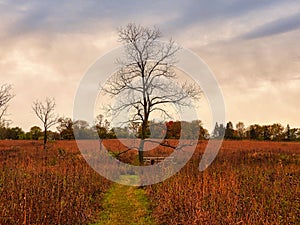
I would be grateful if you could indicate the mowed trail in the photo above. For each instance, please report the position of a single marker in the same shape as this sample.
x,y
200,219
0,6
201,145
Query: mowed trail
x,y
125,205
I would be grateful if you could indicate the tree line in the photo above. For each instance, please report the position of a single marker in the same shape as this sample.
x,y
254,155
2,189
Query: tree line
x,y
67,129
274,132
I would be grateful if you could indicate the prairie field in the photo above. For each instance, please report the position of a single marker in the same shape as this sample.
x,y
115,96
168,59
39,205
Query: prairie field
x,y
250,182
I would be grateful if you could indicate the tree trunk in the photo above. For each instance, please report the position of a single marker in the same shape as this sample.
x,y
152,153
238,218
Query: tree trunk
x,y
143,137
141,151
100,142
45,138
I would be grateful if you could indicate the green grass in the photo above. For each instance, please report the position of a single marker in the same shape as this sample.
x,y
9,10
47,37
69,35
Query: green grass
x,y
125,205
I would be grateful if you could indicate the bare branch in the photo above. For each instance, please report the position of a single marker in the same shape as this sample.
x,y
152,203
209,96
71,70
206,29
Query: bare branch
x,y
147,80
5,97
166,144
45,112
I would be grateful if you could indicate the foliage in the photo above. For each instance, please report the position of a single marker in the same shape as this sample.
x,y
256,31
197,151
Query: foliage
x,y
229,131
82,130
219,131
14,133
35,133
65,128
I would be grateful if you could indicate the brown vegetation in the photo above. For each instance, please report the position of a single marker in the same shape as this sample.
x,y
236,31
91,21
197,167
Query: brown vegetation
x,y
250,182
47,187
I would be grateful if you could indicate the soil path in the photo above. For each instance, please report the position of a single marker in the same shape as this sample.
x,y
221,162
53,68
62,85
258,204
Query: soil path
x,y
125,205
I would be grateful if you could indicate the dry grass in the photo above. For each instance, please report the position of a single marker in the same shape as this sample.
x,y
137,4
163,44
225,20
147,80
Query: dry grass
x,y
248,183
53,187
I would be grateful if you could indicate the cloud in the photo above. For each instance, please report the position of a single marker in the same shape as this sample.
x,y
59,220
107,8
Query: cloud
x,y
46,46
275,27
81,16
205,12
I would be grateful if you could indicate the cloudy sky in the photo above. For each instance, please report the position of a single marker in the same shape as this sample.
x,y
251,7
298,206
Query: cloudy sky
x,y
252,47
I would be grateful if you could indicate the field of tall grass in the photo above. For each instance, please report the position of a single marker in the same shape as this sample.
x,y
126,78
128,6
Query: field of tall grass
x,y
47,187
249,182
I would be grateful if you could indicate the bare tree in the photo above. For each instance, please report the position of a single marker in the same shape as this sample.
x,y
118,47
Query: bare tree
x,y
45,112
145,82
5,97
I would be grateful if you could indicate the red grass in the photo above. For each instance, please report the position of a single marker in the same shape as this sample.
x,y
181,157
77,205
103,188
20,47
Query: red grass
x,y
47,187
249,182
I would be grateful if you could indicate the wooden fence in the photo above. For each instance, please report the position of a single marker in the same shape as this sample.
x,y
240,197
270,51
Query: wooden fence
x,y
153,160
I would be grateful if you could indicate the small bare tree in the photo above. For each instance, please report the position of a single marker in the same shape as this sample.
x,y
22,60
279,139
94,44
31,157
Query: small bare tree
x,y
145,82
5,97
45,112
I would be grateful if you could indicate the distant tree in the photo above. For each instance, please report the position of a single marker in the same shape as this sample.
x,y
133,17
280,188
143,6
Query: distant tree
x,y
215,133
5,96
197,125
256,132
157,129
173,129
219,131
203,133
27,136
294,134
45,112
192,130
102,127
291,134
65,128
267,132
35,132
111,134
82,130
252,133
122,132
14,133
276,131
288,133
53,135
229,131
134,128
240,128
2,131
81,124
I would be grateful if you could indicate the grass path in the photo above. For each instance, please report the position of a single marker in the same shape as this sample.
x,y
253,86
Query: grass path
x,y
125,205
